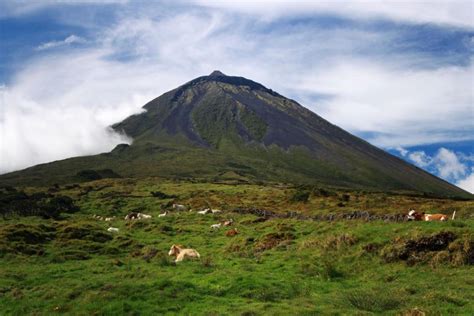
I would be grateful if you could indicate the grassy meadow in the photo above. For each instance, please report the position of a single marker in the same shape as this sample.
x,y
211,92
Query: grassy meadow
x,y
279,266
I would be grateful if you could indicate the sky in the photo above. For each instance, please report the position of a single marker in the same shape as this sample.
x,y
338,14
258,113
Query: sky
x,y
397,73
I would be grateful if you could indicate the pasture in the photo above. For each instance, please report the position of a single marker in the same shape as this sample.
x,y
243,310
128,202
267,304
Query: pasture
x,y
274,265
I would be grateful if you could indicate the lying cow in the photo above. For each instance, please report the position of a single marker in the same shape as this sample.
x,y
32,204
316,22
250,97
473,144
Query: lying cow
x,y
113,230
415,216
216,226
131,216
143,216
205,211
228,222
180,253
179,207
232,232
163,214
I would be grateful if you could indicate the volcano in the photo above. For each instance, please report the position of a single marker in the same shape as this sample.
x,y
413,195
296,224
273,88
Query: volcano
x,y
220,127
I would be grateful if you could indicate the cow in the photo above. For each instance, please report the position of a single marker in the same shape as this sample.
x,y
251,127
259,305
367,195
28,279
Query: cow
x,y
215,211
113,230
180,253
131,216
204,212
216,226
163,214
109,219
179,207
228,222
232,232
143,216
415,216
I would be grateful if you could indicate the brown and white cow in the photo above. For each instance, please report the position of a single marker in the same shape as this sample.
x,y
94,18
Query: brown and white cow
x,y
415,216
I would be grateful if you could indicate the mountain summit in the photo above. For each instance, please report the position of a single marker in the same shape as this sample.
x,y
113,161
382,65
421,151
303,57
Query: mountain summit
x,y
225,127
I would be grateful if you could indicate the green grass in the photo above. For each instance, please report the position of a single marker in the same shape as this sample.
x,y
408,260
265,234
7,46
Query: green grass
x,y
279,266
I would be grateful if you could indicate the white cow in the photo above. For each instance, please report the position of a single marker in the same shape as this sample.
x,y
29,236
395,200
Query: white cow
x,y
143,216
205,211
113,230
179,207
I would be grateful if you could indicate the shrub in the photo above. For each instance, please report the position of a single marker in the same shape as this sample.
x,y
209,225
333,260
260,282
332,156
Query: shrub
x,y
37,204
300,196
161,195
345,197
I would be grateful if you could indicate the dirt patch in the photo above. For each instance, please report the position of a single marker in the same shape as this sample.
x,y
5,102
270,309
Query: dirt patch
x,y
272,240
334,242
83,232
441,248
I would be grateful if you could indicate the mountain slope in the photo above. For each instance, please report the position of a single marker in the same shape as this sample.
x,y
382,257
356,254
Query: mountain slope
x,y
218,126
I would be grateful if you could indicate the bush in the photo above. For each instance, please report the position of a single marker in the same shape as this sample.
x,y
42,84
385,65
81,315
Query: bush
x,y
161,195
300,196
345,197
38,204
91,175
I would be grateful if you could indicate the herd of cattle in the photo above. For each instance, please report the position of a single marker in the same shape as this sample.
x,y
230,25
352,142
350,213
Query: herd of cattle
x,y
179,252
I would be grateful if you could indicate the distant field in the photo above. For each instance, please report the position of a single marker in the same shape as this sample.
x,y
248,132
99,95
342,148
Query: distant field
x,y
279,266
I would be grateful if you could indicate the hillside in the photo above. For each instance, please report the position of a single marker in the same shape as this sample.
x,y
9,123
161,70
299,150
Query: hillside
x,y
220,127
322,258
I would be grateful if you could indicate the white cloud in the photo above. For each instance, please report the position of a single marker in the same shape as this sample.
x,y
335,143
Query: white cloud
x,y
401,106
420,158
448,164
71,39
467,183
13,8
401,150
454,12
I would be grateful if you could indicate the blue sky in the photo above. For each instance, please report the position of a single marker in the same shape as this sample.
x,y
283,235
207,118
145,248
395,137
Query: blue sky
x,y
397,78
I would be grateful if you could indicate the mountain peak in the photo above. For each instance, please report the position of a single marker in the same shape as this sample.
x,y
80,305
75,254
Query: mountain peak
x,y
216,73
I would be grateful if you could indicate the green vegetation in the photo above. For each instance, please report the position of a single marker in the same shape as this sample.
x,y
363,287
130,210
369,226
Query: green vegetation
x,y
274,265
255,126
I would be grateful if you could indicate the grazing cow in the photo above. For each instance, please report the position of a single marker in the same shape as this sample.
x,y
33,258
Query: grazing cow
x,y
216,226
204,212
179,207
131,216
109,219
232,232
180,253
113,229
163,214
143,216
228,222
215,211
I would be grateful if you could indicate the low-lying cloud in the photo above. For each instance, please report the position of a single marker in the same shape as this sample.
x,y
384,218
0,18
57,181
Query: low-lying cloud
x,y
446,163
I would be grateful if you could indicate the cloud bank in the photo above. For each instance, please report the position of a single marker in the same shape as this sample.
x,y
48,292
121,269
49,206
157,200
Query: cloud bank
x,y
447,164
458,13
